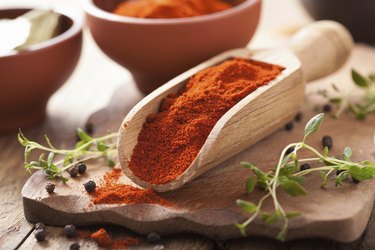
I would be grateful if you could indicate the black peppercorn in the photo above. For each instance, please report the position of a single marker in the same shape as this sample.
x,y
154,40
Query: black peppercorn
x,y
70,231
40,234
327,141
81,168
289,126
298,117
153,238
304,167
73,171
90,186
327,108
89,128
40,225
289,150
74,246
50,188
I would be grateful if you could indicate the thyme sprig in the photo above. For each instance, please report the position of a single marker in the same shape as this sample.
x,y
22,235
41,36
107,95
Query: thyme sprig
x,y
58,161
359,106
289,177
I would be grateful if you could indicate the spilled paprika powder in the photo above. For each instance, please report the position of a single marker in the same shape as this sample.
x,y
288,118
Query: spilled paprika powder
x,y
171,139
103,239
112,191
169,8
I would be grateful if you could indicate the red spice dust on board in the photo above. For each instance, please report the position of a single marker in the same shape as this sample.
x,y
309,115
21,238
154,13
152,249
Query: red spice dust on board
x,y
102,238
111,191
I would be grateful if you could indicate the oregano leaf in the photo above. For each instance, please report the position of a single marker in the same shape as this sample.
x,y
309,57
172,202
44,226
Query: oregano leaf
x,y
246,205
359,80
314,124
348,152
250,184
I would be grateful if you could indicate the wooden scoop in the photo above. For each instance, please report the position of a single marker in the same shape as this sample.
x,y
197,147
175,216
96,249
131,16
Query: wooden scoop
x,y
315,51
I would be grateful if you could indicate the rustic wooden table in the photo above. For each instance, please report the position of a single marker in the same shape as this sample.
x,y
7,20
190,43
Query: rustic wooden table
x,y
90,88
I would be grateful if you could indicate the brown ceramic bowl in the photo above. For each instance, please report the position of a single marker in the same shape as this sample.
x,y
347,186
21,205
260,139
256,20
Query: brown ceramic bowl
x,y
29,78
156,50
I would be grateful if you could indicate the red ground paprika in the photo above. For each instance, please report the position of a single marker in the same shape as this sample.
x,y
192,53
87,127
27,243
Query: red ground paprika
x,y
169,8
112,191
171,139
103,239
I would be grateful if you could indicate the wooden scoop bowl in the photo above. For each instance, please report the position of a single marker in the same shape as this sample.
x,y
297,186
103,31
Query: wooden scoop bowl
x,y
315,51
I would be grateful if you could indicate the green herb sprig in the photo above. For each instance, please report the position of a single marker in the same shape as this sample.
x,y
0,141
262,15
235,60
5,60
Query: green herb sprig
x,y
87,148
289,177
360,106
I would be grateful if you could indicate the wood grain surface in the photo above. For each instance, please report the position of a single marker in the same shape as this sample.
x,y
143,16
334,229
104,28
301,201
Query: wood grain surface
x,y
61,128
207,204
91,88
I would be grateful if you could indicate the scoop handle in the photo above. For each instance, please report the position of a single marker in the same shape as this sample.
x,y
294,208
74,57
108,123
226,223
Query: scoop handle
x,y
322,47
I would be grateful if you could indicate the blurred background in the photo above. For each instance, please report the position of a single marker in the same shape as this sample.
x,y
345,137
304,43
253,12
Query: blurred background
x,y
96,73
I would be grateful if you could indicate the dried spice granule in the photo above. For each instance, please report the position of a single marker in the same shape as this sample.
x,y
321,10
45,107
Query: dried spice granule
x,y
111,191
102,238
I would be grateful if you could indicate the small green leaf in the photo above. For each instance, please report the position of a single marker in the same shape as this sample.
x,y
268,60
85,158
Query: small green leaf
x,y
335,100
314,124
360,115
248,165
255,169
363,173
289,169
22,139
271,218
250,184
291,215
101,146
111,163
359,80
67,160
343,176
324,176
298,179
83,135
247,206
50,158
348,152
291,187
326,151
34,164
79,144
368,163
262,184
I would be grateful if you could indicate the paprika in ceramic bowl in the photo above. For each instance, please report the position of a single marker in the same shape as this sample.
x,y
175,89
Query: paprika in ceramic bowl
x,y
29,77
155,50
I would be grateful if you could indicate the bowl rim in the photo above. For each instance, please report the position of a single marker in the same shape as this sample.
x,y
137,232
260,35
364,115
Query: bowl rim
x,y
76,16
90,8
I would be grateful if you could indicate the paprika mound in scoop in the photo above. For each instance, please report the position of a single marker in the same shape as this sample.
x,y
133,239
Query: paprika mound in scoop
x,y
171,139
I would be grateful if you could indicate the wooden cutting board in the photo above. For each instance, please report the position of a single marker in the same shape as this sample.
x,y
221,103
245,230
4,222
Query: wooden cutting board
x,y
207,204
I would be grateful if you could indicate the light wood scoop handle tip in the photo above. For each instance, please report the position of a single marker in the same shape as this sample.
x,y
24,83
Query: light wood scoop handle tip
x,y
322,47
